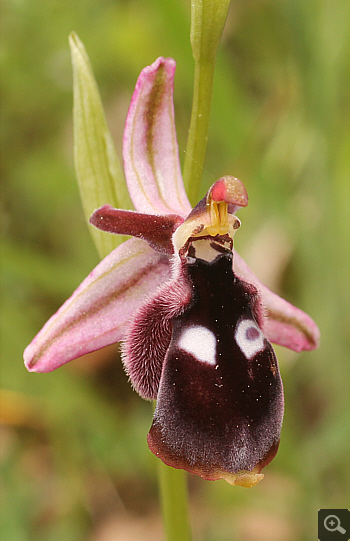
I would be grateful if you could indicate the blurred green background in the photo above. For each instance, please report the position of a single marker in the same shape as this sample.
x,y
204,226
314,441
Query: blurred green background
x,y
73,452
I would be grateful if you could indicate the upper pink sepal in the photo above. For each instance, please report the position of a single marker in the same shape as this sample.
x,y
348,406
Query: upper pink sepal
x,y
98,312
283,323
150,150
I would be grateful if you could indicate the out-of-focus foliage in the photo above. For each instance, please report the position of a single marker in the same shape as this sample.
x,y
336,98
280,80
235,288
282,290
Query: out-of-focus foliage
x,y
75,463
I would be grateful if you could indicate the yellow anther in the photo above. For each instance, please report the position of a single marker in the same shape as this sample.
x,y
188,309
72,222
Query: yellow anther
x,y
219,224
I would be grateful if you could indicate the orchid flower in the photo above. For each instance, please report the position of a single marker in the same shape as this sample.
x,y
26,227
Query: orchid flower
x,y
195,321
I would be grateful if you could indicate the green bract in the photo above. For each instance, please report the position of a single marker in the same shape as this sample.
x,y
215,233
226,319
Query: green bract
x,y
98,171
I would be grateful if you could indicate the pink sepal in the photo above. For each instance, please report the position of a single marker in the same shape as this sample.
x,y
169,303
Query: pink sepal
x,y
283,323
98,312
150,150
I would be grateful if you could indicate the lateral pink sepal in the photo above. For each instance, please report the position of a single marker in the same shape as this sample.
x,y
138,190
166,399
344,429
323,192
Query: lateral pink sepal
x,y
98,312
283,323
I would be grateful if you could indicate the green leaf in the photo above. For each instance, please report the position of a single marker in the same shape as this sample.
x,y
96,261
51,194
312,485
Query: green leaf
x,y
100,177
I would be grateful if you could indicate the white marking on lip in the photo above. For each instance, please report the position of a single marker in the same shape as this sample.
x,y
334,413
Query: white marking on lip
x,y
200,342
249,338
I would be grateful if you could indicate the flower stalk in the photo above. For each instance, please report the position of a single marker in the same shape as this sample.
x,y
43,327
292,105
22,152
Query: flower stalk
x,y
174,503
208,19
198,134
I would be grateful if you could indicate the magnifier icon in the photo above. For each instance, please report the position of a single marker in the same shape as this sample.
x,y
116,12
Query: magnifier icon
x,y
332,524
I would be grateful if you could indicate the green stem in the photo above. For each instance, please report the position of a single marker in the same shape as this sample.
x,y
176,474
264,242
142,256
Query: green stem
x,y
174,500
199,126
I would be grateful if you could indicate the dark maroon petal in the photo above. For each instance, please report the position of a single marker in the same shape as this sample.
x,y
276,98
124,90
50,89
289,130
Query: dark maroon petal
x,y
149,336
220,401
156,230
